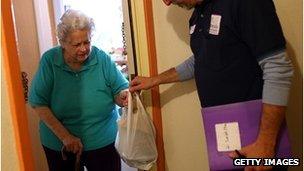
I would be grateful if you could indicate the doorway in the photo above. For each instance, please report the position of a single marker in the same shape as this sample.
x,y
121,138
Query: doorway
x,y
30,14
115,47
109,34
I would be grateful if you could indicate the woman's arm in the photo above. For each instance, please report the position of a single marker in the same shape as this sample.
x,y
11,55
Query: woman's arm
x,y
121,99
70,142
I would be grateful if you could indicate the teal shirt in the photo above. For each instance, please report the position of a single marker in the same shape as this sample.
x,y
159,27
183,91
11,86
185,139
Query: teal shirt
x,y
82,101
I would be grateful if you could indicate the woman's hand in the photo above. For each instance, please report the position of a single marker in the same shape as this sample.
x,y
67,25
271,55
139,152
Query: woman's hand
x,y
122,98
72,144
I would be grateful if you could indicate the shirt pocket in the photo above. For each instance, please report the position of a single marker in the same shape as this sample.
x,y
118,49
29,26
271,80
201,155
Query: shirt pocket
x,y
221,49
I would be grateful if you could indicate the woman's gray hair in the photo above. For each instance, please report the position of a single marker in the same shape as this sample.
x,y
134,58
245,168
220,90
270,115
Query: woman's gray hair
x,y
73,20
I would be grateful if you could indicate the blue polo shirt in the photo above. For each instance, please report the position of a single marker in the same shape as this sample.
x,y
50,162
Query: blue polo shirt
x,y
228,38
82,101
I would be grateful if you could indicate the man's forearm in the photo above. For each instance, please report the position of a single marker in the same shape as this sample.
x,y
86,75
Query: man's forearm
x,y
271,122
182,72
47,116
277,75
185,70
168,76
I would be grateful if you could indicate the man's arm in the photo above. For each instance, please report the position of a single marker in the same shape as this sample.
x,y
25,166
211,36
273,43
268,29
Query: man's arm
x,y
71,143
271,121
182,72
277,75
145,83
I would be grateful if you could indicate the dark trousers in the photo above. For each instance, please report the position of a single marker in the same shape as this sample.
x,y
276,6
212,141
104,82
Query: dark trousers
x,y
102,159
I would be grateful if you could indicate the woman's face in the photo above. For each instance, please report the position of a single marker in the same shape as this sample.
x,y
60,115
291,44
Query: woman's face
x,y
77,46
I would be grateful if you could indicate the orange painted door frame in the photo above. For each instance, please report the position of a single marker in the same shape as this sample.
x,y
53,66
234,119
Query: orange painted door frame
x,y
15,91
156,108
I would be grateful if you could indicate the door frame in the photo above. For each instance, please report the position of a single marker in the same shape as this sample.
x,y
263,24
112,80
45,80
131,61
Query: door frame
x,y
14,88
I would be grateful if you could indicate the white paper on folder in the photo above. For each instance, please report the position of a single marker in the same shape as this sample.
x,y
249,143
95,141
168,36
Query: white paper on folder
x,y
228,136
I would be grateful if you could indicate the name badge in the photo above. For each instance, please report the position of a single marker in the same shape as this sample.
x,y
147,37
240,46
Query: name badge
x,y
192,28
228,136
215,24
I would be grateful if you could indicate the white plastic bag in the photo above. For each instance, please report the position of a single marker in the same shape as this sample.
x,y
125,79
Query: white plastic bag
x,y
135,141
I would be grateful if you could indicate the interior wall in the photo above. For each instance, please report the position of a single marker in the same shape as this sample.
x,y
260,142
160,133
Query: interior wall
x,y
9,156
291,18
28,49
184,140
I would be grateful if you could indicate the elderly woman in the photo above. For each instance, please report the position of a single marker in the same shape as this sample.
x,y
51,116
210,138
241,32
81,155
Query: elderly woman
x,y
74,93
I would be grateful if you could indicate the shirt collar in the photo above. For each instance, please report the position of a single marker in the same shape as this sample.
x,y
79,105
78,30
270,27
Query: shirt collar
x,y
90,61
204,2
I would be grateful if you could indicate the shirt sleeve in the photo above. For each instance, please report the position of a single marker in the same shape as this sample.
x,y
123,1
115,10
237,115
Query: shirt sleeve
x,y
185,70
277,75
259,27
115,79
41,87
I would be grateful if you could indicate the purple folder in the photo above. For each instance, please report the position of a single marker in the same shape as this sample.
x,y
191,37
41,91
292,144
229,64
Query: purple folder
x,y
248,115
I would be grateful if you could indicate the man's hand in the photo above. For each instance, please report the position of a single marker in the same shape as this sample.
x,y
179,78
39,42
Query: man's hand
x,y
167,2
72,144
255,150
145,83
264,146
142,83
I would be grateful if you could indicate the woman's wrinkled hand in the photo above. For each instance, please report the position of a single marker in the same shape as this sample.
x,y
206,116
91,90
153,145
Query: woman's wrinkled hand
x,y
122,98
72,144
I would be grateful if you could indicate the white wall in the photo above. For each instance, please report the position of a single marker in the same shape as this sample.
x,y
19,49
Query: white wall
x,y
9,156
291,18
